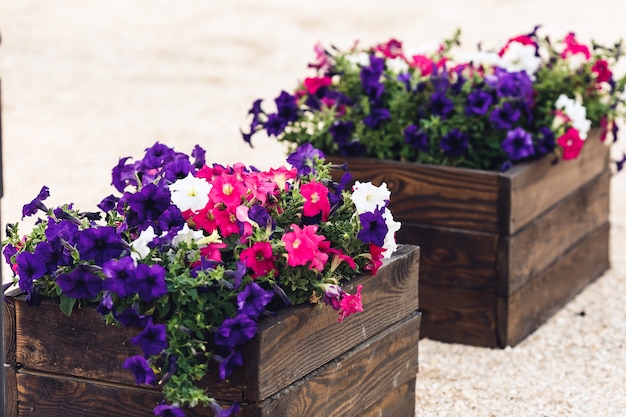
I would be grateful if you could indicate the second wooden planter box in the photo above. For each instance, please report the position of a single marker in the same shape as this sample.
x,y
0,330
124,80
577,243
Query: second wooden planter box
x,y
301,363
501,252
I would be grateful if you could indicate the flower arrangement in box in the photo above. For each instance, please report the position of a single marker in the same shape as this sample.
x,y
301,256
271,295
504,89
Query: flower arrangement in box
x,y
489,110
197,254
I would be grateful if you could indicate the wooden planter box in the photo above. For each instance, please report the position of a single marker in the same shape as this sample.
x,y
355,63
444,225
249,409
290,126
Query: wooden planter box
x,y
501,252
301,363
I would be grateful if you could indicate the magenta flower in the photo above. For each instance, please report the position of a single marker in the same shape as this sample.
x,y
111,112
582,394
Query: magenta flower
x,y
315,199
259,258
302,245
351,304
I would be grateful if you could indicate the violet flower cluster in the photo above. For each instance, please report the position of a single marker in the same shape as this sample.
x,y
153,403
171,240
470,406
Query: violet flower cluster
x,y
194,255
488,110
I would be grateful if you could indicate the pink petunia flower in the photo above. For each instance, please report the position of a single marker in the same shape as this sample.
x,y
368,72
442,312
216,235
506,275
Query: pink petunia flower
x,y
351,304
228,190
313,84
573,47
571,143
315,199
602,71
302,245
259,257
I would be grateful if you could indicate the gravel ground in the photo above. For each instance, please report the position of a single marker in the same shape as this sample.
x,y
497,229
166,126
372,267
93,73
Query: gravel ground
x,y
84,83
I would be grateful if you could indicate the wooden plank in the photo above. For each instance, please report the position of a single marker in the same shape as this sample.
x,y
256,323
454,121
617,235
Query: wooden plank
x,y
545,182
8,312
386,361
398,403
453,257
552,234
456,315
80,345
286,348
10,391
294,344
551,289
433,195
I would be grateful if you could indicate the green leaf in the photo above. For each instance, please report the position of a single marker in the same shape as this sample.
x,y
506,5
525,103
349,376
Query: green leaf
x,y
67,304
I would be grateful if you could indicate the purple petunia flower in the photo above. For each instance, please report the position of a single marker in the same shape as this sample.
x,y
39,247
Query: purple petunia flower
x,y
236,331
620,164
478,102
123,174
505,116
275,125
46,254
80,283
253,299
287,106
441,105
150,202
370,78
199,155
228,364
260,216
341,131
178,168
152,340
416,137
373,227
156,156
141,370
224,412
237,274
518,144
119,274
546,141
108,203
29,268
148,282
455,143
99,244
302,158
165,410
130,317
37,203
353,148
376,118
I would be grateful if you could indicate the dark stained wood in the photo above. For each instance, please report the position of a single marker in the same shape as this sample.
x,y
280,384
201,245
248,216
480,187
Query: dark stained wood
x,y
387,361
553,233
547,182
553,287
456,315
398,403
433,195
453,257
484,235
296,342
8,312
300,340
10,391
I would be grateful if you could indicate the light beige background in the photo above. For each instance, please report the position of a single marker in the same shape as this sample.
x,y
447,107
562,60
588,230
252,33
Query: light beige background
x,y
86,82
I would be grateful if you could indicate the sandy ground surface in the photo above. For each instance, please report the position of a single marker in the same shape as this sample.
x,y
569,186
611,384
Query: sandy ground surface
x,y
85,82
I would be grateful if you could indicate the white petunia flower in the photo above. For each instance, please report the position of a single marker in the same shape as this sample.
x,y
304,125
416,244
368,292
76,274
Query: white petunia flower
x,y
390,238
519,57
361,59
190,193
140,245
367,197
576,112
187,235
397,65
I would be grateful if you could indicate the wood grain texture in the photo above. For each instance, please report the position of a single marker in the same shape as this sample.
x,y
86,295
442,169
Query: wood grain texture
x,y
10,391
398,403
377,375
456,315
287,347
300,340
453,257
8,322
432,195
552,288
552,234
351,383
536,186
